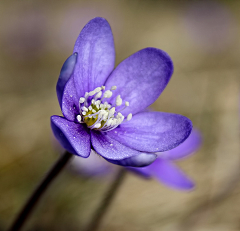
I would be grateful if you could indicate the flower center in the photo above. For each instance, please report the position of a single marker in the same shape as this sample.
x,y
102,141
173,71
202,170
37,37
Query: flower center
x,y
97,113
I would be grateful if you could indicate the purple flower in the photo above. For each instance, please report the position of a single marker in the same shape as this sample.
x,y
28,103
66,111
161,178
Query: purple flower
x,y
161,169
104,107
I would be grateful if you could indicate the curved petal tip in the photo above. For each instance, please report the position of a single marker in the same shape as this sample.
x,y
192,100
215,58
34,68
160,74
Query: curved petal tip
x,y
65,74
141,160
73,137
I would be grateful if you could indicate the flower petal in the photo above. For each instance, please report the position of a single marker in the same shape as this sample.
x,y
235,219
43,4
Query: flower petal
x,y
153,131
96,56
169,174
109,148
65,73
73,137
141,78
94,165
141,171
188,147
70,101
141,160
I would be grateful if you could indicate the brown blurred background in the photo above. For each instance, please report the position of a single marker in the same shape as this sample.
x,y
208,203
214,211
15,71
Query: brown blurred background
x,y
203,39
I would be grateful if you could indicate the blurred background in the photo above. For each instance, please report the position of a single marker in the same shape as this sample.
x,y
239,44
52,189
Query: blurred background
x,y
203,39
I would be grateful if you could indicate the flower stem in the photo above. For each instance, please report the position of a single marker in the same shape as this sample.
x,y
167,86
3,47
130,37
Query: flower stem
x,y
41,188
104,205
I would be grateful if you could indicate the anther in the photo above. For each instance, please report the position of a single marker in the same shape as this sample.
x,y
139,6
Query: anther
x,y
98,95
118,100
98,125
79,119
91,93
84,108
107,94
129,116
112,111
97,102
98,89
81,100
100,114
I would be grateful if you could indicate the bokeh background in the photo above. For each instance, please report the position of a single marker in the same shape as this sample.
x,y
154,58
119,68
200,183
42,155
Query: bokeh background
x,y
203,39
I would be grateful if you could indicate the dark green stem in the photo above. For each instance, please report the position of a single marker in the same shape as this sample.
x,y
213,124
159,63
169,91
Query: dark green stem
x,y
106,202
32,202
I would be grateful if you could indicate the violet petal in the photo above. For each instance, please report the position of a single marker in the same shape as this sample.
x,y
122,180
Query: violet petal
x,y
70,101
65,73
188,147
96,56
73,137
141,171
153,131
109,148
141,160
141,78
171,175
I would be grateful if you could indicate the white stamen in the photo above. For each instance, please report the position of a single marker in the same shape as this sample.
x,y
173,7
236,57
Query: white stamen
x,y
81,100
112,111
98,89
105,116
86,102
79,119
129,116
91,93
107,94
118,100
109,122
101,115
97,102
98,95
84,108
105,105
98,125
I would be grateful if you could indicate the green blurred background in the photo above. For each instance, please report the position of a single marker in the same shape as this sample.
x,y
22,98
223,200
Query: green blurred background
x,y
203,39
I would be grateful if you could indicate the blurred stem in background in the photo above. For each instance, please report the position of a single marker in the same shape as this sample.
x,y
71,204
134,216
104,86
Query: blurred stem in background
x,y
31,203
106,202
39,191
